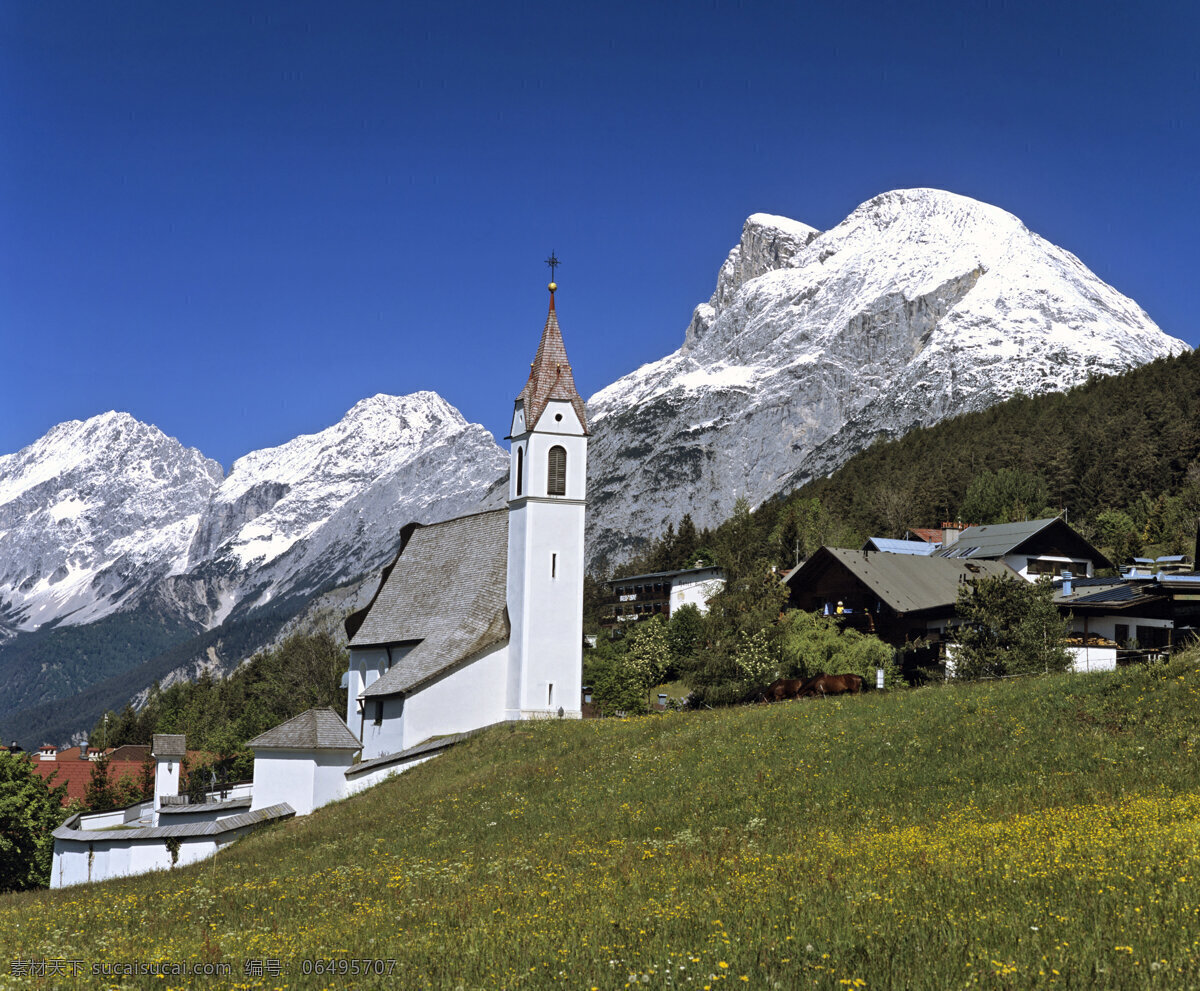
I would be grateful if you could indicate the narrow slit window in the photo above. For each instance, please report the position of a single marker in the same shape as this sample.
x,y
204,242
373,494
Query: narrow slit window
x,y
553,565
550,694
520,467
556,475
379,712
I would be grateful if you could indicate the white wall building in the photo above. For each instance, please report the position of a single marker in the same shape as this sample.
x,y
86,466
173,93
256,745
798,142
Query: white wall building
x,y
480,619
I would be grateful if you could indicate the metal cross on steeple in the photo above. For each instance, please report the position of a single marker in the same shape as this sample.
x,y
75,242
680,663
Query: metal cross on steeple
x,y
553,262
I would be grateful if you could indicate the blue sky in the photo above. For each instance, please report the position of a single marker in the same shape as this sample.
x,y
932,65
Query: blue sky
x,y
235,220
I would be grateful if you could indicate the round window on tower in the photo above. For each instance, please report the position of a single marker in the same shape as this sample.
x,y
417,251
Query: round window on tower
x,y
558,418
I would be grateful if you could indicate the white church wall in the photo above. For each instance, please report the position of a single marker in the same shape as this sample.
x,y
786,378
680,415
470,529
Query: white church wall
x,y
470,696
552,632
361,782
366,665
381,726
1086,659
166,780
284,776
330,782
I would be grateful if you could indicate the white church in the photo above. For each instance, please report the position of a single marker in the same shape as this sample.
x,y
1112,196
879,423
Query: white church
x,y
478,620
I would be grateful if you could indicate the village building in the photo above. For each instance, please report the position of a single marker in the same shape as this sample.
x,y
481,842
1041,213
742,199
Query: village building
x,y
1032,548
73,766
908,601
660,593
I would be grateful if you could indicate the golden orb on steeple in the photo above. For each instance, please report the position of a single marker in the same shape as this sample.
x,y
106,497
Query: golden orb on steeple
x,y
552,286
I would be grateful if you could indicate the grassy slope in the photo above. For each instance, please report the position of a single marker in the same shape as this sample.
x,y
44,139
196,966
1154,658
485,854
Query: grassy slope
x,y
1043,832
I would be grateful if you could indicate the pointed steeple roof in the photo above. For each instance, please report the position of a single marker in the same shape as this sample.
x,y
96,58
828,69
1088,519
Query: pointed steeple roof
x,y
550,375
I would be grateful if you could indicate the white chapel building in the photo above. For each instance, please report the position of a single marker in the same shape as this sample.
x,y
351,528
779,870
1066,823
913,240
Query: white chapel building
x,y
480,619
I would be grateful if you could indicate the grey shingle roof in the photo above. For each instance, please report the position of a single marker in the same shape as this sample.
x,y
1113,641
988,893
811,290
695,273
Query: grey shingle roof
x,y
998,539
448,590
70,830
427,747
905,582
995,539
169,746
316,729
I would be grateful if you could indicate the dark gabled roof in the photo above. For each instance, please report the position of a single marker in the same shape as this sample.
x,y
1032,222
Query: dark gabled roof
x,y
315,729
905,582
550,376
681,573
447,593
995,540
1108,593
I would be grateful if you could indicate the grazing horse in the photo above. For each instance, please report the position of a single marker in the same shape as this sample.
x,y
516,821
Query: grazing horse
x,y
832,684
784,688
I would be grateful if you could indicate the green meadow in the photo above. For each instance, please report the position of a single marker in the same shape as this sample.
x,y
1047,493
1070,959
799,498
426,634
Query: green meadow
x,y
1038,832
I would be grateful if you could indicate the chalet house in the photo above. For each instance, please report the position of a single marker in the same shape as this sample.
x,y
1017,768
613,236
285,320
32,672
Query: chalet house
x,y
72,766
1033,549
899,598
1123,620
659,593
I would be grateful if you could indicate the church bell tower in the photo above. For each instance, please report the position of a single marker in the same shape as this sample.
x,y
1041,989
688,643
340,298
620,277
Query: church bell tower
x,y
547,494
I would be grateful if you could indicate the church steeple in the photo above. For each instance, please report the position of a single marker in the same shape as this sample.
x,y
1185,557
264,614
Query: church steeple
x,y
547,497
550,374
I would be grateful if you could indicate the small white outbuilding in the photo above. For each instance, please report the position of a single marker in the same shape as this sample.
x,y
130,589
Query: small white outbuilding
x,y
303,762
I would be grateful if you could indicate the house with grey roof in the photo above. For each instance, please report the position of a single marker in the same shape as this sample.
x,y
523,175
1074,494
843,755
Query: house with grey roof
x,y
1032,548
303,762
900,598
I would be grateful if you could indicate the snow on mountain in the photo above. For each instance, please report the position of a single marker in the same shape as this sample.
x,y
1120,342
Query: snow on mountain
x,y
920,305
100,515
328,506
88,506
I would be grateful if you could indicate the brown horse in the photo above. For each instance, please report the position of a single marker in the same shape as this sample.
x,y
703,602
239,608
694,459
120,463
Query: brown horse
x,y
784,688
832,684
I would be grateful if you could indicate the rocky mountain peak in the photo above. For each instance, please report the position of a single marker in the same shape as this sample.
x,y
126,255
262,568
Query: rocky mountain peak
x,y
920,305
768,242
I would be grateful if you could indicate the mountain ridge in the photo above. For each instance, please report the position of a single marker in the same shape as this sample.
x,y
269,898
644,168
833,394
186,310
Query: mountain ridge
x,y
918,306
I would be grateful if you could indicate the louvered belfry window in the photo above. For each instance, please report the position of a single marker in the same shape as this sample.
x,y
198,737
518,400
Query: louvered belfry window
x,y
556,476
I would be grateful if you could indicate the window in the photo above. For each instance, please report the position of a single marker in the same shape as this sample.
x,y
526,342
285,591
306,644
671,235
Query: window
x,y
556,475
550,694
520,467
378,712
1121,633
553,565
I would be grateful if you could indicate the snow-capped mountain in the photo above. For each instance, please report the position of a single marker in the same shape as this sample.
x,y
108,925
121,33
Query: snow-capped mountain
x,y
104,514
920,305
90,513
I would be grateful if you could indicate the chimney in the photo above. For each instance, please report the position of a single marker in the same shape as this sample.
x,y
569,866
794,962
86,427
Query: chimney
x,y
950,532
168,751
83,750
48,751
1066,588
